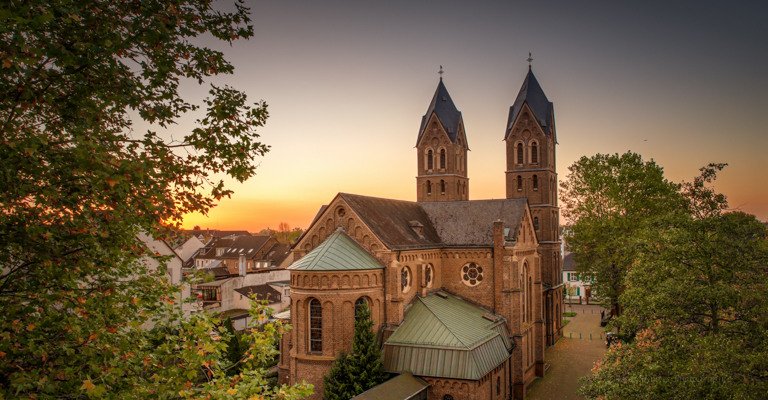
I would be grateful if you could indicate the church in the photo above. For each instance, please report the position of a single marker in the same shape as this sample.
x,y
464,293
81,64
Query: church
x,y
464,294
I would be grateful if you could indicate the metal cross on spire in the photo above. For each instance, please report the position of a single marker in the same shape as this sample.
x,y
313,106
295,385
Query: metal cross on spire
x,y
529,59
441,72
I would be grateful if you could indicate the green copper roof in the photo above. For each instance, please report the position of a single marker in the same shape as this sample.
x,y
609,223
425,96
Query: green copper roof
x,y
445,336
337,253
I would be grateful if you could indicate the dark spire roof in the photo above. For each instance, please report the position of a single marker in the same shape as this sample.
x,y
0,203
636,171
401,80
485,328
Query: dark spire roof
x,y
532,94
442,105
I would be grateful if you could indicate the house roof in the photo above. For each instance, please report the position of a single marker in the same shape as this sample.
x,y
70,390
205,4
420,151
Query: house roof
x,y
445,336
338,252
569,262
469,223
532,94
262,292
244,245
402,387
391,221
443,107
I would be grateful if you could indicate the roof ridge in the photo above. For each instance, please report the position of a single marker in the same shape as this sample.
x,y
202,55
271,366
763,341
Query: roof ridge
x,y
444,324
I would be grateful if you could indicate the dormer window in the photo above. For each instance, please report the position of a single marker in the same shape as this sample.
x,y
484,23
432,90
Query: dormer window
x,y
417,227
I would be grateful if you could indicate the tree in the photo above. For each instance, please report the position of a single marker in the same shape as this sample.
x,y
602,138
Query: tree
x,y
608,199
80,79
361,369
695,298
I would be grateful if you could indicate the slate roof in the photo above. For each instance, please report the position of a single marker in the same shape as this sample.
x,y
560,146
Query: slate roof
x,y
470,223
442,105
445,336
569,262
390,220
532,94
262,292
402,387
338,252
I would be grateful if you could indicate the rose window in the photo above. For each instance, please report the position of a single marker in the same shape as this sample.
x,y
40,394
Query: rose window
x,y
472,274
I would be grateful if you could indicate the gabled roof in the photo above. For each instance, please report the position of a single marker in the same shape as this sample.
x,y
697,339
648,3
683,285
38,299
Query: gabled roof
x,y
338,252
470,223
569,262
445,336
442,106
391,221
532,94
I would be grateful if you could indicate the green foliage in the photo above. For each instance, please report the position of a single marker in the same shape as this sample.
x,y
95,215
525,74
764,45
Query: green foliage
x,y
78,80
696,300
362,368
608,200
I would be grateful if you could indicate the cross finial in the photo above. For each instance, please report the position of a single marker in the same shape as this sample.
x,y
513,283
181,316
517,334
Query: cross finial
x,y
441,72
529,59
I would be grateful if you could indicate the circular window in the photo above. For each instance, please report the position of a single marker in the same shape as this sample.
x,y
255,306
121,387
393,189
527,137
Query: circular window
x,y
405,279
428,275
340,212
472,274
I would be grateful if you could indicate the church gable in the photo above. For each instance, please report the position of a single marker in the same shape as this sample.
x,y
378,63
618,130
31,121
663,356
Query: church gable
x,y
338,214
526,232
434,134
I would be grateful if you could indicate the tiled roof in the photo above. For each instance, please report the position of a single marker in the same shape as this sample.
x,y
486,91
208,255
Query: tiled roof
x,y
532,94
402,387
445,336
338,252
442,106
470,223
391,220
262,292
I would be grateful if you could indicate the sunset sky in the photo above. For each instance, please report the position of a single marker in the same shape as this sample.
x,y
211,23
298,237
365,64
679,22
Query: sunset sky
x,y
347,82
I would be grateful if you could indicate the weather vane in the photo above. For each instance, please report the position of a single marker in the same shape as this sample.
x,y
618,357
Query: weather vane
x,y
529,59
441,72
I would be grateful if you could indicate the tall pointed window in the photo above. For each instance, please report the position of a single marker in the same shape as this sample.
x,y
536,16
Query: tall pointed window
x,y
535,182
534,152
520,154
519,183
429,187
442,158
430,159
359,304
536,223
315,326
442,186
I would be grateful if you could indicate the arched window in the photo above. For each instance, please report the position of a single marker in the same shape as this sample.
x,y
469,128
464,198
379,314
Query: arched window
x,y
536,223
534,152
429,187
519,153
315,326
442,158
359,304
442,186
447,397
535,182
525,292
519,183
430,159
428,278
405,279
530,298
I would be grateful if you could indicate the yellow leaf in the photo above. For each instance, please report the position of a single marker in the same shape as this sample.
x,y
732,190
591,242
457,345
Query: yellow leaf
x,y
232,391
31,327
88,385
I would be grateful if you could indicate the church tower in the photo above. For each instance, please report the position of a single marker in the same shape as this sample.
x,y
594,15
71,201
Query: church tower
x,y
531,173
442,151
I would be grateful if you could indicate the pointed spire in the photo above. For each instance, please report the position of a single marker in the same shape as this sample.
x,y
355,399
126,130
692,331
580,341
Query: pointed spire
x,y
532,94
443,107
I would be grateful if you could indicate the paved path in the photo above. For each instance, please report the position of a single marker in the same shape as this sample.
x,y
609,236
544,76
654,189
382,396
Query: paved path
x,y
571,358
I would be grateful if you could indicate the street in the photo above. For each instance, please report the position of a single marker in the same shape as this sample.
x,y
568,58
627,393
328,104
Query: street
x,y
572,356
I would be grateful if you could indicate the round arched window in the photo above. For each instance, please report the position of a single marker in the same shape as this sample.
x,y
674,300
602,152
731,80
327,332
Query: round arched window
x,y
447,397
472,274
405,279
428,275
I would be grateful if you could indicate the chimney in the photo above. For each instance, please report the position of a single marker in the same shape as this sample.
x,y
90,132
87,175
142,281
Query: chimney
x,y
241,265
